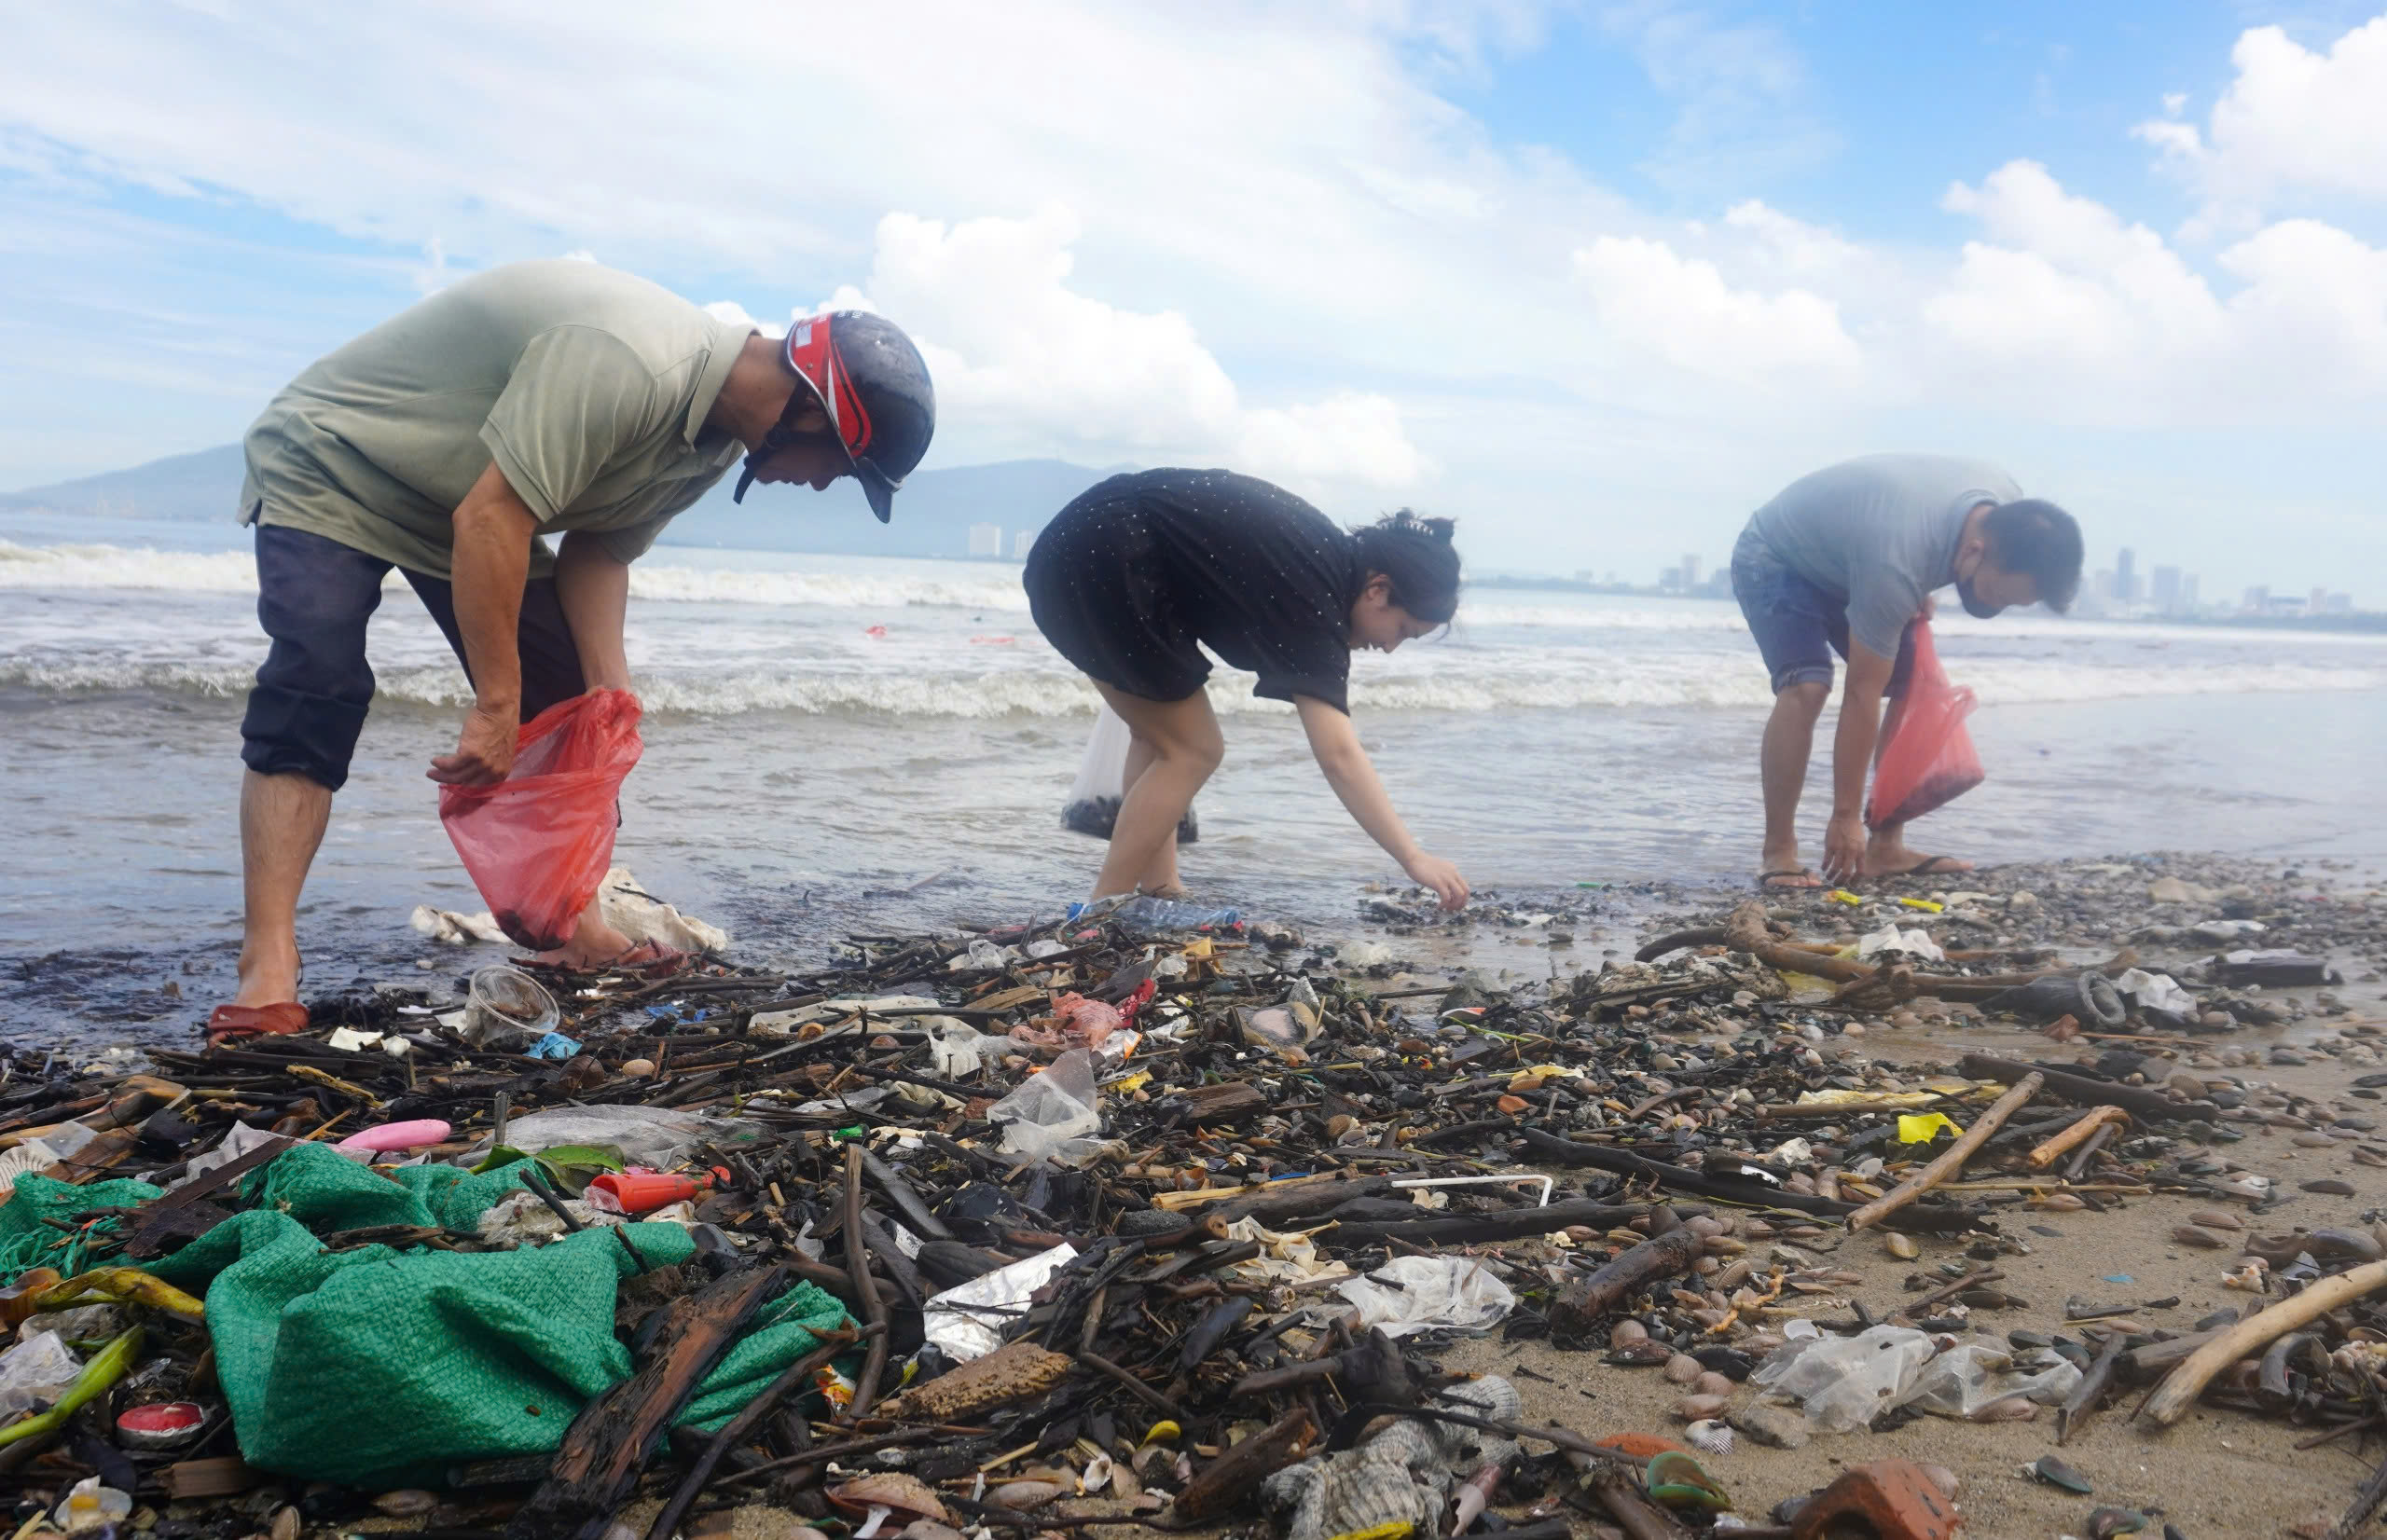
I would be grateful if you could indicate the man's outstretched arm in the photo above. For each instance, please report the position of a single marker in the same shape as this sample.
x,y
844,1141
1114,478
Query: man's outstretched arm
x,y
490,562
1851,759
593,586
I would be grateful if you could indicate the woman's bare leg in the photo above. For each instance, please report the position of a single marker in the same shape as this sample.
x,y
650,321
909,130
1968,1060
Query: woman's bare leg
x,y
1176,745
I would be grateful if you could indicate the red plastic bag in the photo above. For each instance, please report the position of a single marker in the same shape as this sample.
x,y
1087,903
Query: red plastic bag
x,y
1929,761
538,842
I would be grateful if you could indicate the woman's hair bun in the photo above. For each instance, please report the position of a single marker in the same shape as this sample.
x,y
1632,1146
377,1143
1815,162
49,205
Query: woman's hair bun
x,y
1416,554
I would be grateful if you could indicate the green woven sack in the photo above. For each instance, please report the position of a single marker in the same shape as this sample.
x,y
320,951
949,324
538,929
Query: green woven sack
x,y
378,1367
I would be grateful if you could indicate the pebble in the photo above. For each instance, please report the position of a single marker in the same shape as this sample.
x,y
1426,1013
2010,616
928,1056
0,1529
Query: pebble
x,y
1776,1427
637,1069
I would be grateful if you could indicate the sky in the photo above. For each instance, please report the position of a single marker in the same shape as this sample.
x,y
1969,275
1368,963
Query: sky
x,y
1595,278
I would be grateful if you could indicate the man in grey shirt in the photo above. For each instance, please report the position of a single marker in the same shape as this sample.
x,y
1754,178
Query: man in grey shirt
x,y
542,399
1844,561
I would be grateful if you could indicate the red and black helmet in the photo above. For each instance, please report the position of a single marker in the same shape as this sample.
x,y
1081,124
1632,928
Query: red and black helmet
x,y
868,376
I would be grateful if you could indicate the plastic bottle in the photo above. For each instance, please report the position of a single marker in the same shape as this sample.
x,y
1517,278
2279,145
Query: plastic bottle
x,y
1148,912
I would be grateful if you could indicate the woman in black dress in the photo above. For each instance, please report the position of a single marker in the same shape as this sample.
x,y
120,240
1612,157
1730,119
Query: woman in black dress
x,y
1133,574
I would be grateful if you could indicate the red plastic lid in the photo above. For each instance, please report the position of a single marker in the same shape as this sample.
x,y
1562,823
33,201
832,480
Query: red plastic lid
x,y
162,1417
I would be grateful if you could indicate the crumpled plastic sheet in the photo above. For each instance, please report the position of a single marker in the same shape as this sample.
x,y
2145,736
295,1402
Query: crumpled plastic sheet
x,y
1964,1380
1916,943
1053,1115
1403,1475
1455,1293
34,1372
1284,1258
656,1136
2157,992
966,1320
1843,1383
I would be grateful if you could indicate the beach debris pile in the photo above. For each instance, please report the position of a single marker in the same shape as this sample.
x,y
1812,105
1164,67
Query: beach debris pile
x,y
1015,1229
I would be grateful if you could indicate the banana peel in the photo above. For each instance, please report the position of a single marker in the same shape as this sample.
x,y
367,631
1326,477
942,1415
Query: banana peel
x,y
126,1285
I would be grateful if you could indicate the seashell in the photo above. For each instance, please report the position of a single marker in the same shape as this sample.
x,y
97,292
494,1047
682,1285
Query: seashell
x,y
1643,1353
2329,1187
2331,1244
2055,1473
2189,1235
1627,1332
407,1502
1682,1369
907,1498
2217,1218
1020,1496
1944,1478
637,1069
287,1524
2011,1408
1695,1409
1710,1437
1900,1246
2105,1523
2250,1278
1712,1383
2058,1203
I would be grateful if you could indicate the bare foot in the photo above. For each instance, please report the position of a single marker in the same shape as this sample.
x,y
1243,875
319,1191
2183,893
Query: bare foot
x,y
269,974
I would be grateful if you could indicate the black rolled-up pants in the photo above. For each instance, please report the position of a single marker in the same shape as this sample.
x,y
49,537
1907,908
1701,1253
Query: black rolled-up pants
x,y
314,600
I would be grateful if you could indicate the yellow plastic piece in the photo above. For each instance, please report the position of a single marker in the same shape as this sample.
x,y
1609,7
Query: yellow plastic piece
x,y
1928,905
1400,1529
1842,895
1921,1128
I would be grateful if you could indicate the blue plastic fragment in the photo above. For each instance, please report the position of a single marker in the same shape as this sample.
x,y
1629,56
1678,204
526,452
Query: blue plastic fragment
x,y
2120,1278
555,1045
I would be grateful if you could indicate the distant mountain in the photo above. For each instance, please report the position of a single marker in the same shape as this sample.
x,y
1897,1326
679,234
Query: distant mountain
x,y
206,485
934,514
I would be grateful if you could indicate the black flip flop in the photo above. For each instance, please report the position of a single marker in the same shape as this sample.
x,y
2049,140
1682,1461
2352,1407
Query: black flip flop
x,y
1927,866
1766,885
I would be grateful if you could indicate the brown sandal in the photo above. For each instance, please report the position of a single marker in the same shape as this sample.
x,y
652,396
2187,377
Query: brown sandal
x,y
231,1023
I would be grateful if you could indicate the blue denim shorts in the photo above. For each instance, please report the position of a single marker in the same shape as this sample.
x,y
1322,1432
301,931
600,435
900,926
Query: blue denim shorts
x,y
1799,628
314,598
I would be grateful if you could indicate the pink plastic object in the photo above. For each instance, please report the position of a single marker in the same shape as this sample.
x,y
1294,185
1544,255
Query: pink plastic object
x,y
389,1136
1929,760
1084,1022
537,843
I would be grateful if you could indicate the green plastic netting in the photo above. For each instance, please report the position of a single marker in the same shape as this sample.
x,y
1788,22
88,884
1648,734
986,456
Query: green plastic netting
x,y
380,1367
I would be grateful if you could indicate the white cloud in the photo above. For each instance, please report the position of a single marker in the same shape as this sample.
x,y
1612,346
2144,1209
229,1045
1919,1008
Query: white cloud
x,y
2068,307
1682,309
1021,356
2293,120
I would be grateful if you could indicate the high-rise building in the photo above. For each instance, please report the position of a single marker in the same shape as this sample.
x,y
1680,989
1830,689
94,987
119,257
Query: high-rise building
x,y
2125,587
2317,602
986,540
1022,541
2164,588
1670,579
1691,571
2189,591
2340,604
2258,598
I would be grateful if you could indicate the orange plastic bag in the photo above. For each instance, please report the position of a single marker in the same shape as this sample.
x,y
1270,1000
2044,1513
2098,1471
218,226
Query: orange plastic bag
x,y
537,843
1929,760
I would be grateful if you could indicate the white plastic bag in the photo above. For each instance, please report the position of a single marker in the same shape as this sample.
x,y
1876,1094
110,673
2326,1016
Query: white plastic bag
x,y
1964,1380
35,1371
1050,1112
1095,796
1843,1383
1453,1292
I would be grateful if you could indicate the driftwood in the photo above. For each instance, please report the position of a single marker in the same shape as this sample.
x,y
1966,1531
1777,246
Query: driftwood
x,y
1949,1162
2048,1151
1581,1306
874,1308
2096,1383
734,1431
1234,1477
2183,1385
608,1445
2138,1101
1549,1148
1745,931
1473,1229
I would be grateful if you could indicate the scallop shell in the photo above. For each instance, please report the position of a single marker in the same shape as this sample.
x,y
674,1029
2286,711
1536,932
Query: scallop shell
x,y
1713,1436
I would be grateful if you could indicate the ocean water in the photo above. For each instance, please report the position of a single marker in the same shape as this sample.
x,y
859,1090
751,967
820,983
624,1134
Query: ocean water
x,y
837,744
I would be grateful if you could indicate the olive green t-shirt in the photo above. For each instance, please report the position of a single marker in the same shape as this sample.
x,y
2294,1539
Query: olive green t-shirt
x,y
589,386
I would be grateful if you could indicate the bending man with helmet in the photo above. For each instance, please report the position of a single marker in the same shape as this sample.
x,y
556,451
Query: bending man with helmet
x,y
545,398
